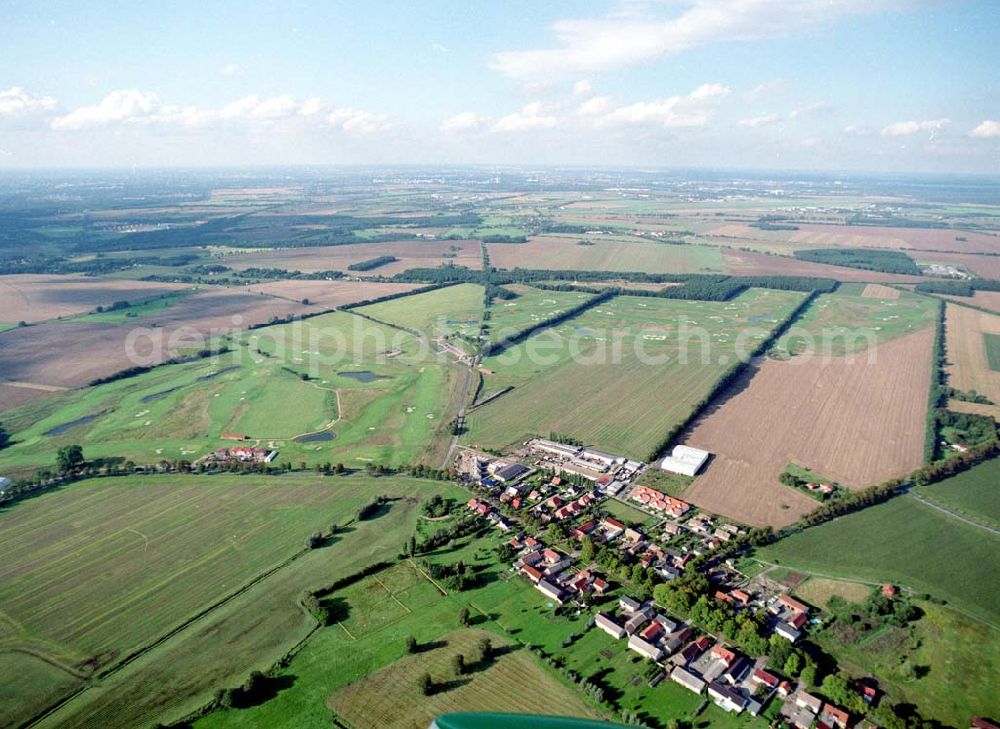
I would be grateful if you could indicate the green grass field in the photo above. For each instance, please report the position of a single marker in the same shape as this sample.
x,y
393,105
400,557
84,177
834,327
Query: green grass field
x,y
98,569
179,411
905,542
4,327
451,310
615,376
992,344
974,494
626,513
335,670
133,310
941,644
847,323
531,307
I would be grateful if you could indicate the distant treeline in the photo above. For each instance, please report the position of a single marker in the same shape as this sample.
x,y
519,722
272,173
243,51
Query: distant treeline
x,y
864,258
141,370
503,239
773,222
213,273
703,287
500,345
371,263
93,266
958,288
390,297
247,230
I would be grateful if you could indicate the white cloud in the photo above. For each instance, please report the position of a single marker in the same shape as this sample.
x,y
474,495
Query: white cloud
x,y
126,107
764,89
693,110
530,118
906,128
131,107
636,36
582,88
230,69
260,108
358,121
858,130
595,106
760,120
467,121
817,107
440,48
16,102
987,129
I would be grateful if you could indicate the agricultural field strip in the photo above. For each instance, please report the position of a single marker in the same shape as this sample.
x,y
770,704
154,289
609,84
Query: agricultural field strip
x,y
40,603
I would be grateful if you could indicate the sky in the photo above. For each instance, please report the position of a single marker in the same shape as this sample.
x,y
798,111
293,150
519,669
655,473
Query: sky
x,y
852,85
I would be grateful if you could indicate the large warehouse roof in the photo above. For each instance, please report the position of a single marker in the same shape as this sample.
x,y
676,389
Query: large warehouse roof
x,y
685,460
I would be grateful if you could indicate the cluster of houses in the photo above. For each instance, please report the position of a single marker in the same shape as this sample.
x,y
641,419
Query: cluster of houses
x,y
802,710
549,571
659,502
241,454
485,509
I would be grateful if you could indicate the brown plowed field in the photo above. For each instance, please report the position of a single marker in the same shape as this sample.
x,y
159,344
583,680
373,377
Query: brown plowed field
x,y
857,423
818,235
411,254
746,263
986,299
984,266
70,354
968,367
878,291
330,294
36,297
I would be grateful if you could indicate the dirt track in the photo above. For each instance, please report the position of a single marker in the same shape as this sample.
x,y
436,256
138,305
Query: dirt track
x,y
856,423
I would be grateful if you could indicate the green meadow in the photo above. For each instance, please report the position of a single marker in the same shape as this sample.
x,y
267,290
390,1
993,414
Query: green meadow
x,y
333,388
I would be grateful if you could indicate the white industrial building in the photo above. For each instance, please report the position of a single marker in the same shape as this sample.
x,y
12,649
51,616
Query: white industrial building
x,y
685,460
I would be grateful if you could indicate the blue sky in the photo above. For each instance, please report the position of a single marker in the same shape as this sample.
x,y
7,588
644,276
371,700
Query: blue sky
x,y
877,85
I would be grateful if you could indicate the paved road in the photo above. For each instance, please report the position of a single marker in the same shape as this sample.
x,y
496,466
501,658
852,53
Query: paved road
x,y
968,520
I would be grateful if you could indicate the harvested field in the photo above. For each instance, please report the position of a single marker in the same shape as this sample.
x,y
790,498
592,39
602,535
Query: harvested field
x,y
818,591
390,699
983,266
879,291
620,375
985,299
819,414
555,252
37,297
968,365
330,294
74,353
411,254
935,239
818,235
747,263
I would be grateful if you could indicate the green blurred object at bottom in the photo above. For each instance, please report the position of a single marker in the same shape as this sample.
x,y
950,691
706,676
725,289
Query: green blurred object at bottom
x,y
471,720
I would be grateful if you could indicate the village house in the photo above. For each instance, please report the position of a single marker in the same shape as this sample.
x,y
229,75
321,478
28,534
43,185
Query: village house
x,y
658,501
550,590
609,626
726,697
687,679
644,648
628,604
834,716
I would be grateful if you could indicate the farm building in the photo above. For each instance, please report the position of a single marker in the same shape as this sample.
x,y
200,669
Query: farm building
x,y
685,460
554,448
609,626
645,648
687,679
